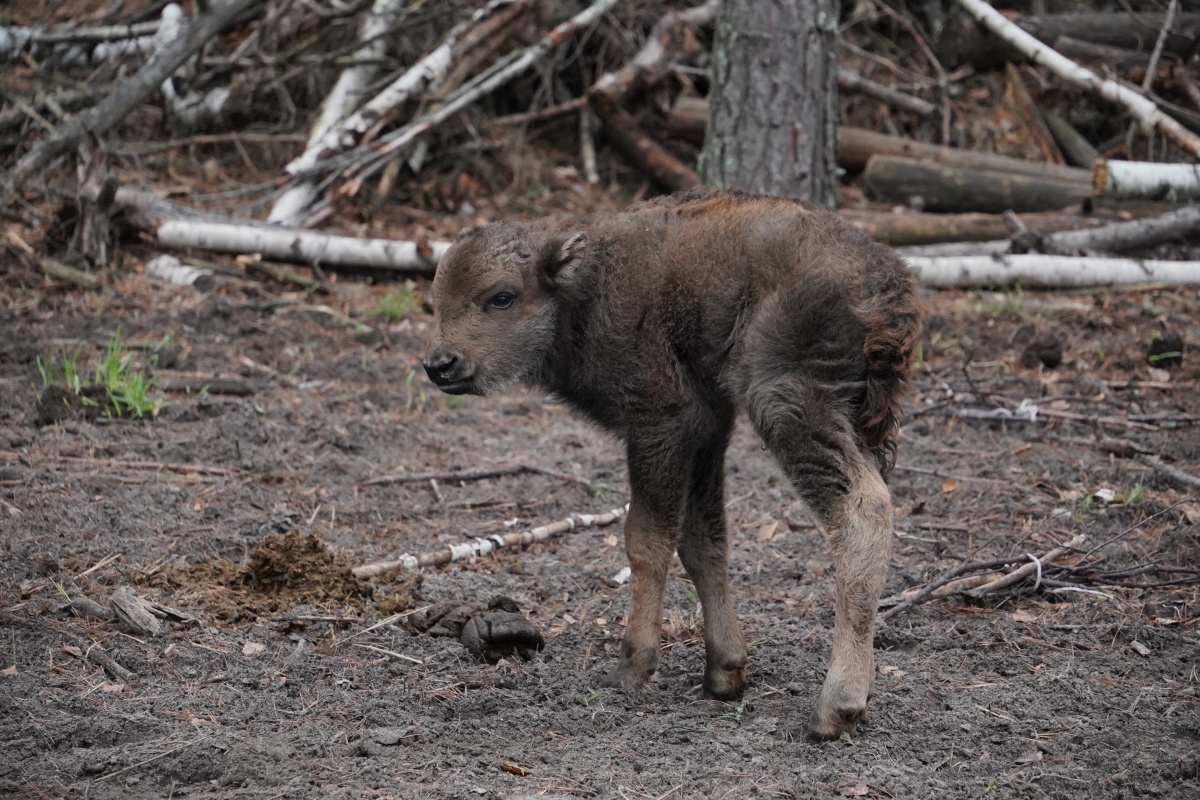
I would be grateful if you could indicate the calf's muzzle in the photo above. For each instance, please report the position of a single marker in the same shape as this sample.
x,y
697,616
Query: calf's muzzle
x,y
448,370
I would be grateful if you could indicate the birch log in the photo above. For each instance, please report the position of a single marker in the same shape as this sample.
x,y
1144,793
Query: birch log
x,y
177,226
1143,110
1128,179
1052,272
109,40
95,121
424,75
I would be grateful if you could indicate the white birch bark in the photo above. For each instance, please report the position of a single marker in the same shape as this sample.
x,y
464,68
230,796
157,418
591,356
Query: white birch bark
x,y
421,76
1145,179
1051,272
179,227
344,98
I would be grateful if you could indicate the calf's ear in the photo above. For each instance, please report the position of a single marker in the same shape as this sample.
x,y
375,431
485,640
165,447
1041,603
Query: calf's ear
x,y
561,265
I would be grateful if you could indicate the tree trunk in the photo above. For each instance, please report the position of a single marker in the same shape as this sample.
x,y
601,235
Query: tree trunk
x,y
773,104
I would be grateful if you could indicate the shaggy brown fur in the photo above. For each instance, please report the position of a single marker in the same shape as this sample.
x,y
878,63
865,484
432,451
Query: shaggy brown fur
x,y
660,323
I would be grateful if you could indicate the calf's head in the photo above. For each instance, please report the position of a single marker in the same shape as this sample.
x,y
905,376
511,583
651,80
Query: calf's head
x,y
496,297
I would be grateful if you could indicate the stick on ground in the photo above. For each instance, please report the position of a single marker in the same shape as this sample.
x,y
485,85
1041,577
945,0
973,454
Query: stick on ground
x,y
482,547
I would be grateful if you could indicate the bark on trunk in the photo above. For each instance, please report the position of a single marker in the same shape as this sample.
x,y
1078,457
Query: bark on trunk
x,y
773,101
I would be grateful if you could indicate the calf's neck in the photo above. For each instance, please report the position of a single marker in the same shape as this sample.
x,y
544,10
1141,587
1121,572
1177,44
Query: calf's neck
x,y
660,323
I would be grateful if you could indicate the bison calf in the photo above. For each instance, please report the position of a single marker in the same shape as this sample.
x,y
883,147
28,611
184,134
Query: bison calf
x,y
659,323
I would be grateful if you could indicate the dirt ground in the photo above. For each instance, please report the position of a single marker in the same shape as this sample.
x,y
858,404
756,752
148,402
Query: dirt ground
x,y
282,688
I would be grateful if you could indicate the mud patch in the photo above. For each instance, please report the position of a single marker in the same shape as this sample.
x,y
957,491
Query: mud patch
x,y
284,570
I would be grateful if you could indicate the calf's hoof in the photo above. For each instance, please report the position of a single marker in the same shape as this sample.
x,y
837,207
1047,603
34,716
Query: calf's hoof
x,y
725,683
830,722
631,674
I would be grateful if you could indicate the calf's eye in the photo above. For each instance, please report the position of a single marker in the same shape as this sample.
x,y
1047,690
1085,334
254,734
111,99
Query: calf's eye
x,y
502,301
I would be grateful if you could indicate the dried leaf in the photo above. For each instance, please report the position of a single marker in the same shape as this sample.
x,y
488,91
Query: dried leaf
x,y
514,769
855,790
253,648
1024,615
949,485
767,532
9,671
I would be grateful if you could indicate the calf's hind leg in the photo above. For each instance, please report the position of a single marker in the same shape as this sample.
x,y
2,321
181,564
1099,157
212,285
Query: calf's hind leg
x,y
808,429
704,551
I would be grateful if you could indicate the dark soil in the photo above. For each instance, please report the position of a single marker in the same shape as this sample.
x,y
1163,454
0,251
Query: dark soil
x,y
246,511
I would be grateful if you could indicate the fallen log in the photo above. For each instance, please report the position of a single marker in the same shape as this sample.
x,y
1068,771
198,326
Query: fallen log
x,y
98,119
915,228
1147,114
1119,236
1130,179
1078,150
1052,272
943,187
855,146
172,225
1129,31
640,150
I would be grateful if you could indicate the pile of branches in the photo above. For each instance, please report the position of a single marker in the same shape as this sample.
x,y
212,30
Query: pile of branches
x,y
389,88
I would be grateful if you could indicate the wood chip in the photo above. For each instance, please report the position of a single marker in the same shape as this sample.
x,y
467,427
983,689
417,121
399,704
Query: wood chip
x,y
134,612
1139,648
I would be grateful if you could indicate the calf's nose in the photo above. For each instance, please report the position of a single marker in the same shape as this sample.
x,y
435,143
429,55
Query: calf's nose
x,y
439,364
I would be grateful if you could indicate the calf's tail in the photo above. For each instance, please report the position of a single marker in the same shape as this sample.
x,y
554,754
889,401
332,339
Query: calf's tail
x,y
893,321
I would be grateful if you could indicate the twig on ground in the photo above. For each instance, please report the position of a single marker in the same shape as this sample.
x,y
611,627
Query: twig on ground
x,y
484,546
1174,473
92,651
470,475
152,759
1036,565
1136,526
